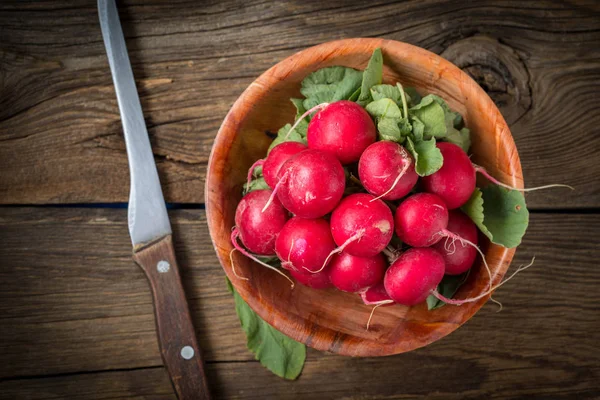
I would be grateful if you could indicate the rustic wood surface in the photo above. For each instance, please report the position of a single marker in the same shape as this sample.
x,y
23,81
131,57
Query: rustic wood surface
x,y
76,317
82,316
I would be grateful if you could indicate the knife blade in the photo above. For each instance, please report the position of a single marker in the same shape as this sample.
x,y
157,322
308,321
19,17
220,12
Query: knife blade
x,y
149,225
147,213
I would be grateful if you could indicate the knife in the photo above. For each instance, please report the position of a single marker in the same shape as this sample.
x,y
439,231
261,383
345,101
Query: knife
x,y
149,224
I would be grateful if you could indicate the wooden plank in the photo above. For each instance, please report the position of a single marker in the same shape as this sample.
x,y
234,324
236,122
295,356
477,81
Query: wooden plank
x,y
60,134
74,306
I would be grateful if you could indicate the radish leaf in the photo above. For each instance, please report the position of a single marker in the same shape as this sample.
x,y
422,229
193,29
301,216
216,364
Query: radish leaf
x,y
428,158
330,84
499,213
373,75
275,351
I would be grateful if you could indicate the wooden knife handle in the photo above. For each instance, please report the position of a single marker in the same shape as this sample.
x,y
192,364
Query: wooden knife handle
x,y
176,335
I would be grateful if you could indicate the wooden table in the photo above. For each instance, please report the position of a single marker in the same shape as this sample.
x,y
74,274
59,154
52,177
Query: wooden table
x,y
76,315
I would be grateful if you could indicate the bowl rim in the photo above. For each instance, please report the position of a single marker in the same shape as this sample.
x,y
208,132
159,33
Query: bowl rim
x,y
291,326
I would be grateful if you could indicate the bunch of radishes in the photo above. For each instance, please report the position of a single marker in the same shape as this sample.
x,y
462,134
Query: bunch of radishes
x,y
339,208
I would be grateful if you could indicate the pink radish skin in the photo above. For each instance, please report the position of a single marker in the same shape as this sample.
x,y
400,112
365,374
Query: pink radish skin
x,y
319,280
353,274
343,129
376,295
304,244
421,219
257,230
459,257
414,275
361,226
277,157
455,181
380,166
311,183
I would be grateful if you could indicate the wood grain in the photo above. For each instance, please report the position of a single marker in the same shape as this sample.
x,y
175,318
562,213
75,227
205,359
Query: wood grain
x,y
73,307
315,318
60,134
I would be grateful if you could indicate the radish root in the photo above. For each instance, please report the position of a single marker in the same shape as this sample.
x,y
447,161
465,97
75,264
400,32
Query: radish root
x,y
381,303
315,108
275,189
473,299
357,236
464,242
483,172
233,266
407,162
235,233
251,170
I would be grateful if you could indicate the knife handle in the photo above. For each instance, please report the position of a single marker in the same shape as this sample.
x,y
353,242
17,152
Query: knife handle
x,y
176,336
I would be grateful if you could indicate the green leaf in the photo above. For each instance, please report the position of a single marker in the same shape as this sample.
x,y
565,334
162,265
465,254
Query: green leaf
x,y
405,127
297,135
330,84
412,96
355,95
384,108
499,213
428,158
373,75
299,104
447,288
379,92
432,114
275,351
461,138
418,128
256,184
388,129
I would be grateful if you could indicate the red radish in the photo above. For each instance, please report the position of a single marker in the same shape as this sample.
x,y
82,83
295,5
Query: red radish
x,y
258,230
414,275
458,257
319,280
362,225
455,181
311,184
353,274
376,295
277,157
421,220
304,244
387,170
343,129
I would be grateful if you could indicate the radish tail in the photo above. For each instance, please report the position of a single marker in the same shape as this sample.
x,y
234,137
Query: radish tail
x,y
234,240
464,242
381,303
407,162
473,299
274,193
315,108
233,266
483,172
359,234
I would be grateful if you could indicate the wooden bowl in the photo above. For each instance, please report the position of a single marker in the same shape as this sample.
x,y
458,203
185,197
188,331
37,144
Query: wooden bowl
x,y
331,320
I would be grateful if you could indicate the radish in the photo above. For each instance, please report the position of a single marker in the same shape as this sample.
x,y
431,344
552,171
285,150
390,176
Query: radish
x,y
458,258
277,157
455,181
353,274
304,244
318,280
342,128
362,225
311,184
421,220
258,230
387,170
414,275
